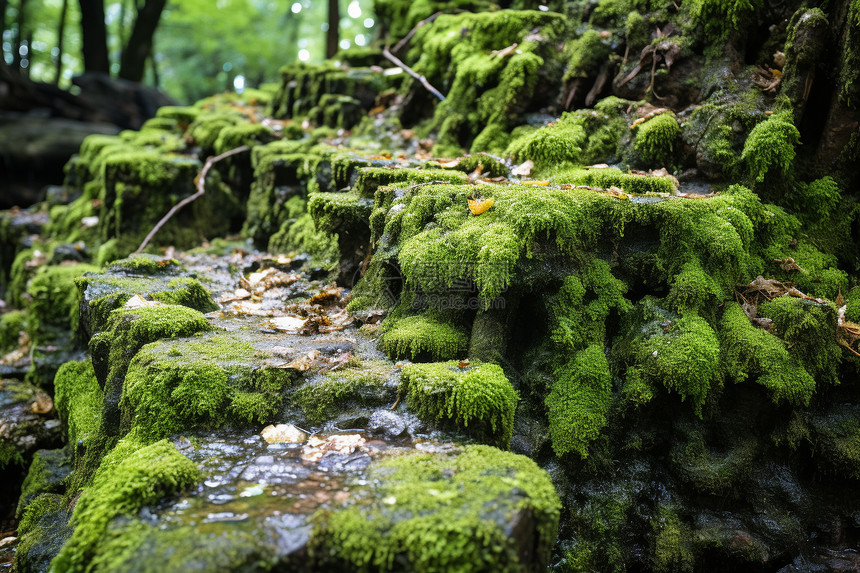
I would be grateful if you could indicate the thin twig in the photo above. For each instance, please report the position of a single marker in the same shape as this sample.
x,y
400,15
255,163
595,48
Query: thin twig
x,y
412,73
201,189
399,45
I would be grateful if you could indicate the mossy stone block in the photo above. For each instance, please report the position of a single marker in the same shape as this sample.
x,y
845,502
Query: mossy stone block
x,y
476,398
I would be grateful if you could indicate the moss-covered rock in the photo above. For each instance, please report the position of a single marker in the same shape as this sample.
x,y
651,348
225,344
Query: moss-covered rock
x,y
131,477
444,513
209,381
475,397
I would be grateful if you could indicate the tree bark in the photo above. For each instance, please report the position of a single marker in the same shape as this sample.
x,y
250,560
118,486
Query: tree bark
x,y
61,31
332,36
94,34
139,45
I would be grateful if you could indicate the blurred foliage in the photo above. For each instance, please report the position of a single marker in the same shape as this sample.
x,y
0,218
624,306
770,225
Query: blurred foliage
x,y
201,46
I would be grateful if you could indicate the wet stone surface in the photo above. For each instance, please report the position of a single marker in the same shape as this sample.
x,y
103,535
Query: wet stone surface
x,y
271,490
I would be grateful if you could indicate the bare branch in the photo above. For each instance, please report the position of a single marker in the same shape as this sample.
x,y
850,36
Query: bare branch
x,y
201,189
412,73
399,45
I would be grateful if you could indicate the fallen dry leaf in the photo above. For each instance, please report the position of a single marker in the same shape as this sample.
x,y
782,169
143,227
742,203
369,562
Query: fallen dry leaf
x,y
43,404
303,363
317,447
478,206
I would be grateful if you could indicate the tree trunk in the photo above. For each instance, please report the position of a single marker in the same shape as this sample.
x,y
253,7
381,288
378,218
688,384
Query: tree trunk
x,y
333,34
94,34
139,45
61,30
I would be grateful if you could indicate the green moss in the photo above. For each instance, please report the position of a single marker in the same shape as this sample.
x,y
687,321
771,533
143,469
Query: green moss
x,y
130,477
486,92
145,265
54,301
339,212
852,310
300,235
12,324
444,516
836,439
46,474
655,139
477,398
362,384
557,144
250,134
770,146
671,542
714,469
579,401
721,17
422,337
613,177
752,353
182,114
106,292
588,52
807,328
583,305
209,381
78,399
207,126
42,532
678,353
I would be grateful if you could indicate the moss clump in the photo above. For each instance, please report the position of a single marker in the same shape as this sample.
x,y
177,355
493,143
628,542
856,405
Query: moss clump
x,y
12,324
479,395
184,115
852,310
446,514
807,328
54,301
78,399
559,143
672,541
207,126
486,93
363,384
130,477
583,304
145,265
43,530
770,146
341,213
721,17
250,134
106,292
206,381
679,353
613,177
422,337
655,139
46,474
127,332
752,353
579,401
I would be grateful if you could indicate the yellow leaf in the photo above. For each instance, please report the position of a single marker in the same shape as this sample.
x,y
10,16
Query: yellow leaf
x,y
478,206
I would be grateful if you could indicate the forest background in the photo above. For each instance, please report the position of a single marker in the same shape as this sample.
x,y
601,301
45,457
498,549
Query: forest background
x,y
186,48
